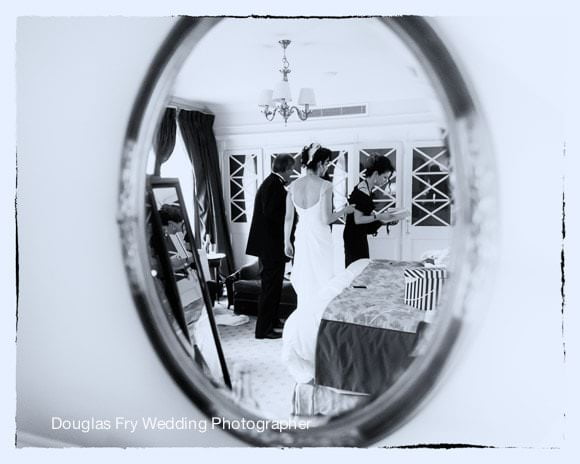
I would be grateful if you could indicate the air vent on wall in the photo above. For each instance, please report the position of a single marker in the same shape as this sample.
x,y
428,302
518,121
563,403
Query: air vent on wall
x,y
337,111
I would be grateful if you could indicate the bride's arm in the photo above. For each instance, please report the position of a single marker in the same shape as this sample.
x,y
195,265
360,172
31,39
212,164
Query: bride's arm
x,y
288,222
328,216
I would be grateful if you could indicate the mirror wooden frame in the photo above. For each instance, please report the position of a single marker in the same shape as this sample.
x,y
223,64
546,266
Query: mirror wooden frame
x,y
174,298
473,245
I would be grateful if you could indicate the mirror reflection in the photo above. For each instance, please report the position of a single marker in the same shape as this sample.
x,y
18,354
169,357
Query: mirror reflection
x,y
182,279
301,245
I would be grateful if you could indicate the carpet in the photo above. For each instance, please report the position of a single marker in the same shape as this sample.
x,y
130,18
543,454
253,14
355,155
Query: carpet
x,y
270,384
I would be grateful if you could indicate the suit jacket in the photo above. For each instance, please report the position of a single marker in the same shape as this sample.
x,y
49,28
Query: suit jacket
x,y
266,239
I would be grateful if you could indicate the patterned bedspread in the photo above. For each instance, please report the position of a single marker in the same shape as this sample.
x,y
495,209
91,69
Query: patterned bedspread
x,y
380,303
367,334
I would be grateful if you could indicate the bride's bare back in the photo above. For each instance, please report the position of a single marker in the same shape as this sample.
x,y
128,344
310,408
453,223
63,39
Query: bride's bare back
x,y
307,191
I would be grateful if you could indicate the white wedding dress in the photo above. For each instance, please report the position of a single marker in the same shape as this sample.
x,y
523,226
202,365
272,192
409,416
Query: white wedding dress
x,y
313,256
311,272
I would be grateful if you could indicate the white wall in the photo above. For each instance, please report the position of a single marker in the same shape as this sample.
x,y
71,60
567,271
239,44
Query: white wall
x,y
82,350
81,347
505,386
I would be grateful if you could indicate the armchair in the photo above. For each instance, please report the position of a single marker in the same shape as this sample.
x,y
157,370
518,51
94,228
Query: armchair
x,y
243,289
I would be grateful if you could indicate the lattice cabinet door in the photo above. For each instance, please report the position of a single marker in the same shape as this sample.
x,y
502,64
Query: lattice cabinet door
x,y
244,173
430,199
337,173
385,196
296,172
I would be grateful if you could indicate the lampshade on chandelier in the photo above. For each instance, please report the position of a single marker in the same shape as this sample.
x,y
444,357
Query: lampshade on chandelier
x,y
276,101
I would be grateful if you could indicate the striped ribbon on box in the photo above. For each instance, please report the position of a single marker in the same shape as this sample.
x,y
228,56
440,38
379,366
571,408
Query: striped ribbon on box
x,y
423,286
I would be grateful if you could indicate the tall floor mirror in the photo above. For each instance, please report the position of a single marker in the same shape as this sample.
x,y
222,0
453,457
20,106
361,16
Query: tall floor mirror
x,y
180,277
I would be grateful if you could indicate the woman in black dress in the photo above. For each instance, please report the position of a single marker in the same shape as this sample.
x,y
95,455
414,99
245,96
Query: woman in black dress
x,y
364,220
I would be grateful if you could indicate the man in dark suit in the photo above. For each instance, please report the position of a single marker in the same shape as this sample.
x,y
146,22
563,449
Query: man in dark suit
x,y
266,241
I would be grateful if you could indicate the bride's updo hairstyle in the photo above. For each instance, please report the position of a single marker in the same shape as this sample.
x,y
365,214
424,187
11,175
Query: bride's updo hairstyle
x,y
312,155
379,164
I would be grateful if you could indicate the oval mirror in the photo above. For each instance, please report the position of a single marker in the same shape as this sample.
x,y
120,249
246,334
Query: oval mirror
x,y
302,219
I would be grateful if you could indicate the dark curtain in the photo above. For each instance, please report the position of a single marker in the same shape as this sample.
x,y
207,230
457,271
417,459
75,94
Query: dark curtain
x,y
164,141
197,131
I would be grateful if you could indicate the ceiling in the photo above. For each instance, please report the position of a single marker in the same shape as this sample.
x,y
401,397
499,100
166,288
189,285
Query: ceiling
x,y
344,60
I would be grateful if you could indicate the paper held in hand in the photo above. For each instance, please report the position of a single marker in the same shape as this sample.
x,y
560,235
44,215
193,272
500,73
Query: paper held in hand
x,y
399,213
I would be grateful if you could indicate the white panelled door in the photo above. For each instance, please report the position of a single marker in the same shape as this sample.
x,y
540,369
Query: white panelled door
x,y
429,198
270,154
242,177
420,184
339,173
384,245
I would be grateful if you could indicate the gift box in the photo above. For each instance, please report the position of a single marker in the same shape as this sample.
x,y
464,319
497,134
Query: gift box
x,y
423,286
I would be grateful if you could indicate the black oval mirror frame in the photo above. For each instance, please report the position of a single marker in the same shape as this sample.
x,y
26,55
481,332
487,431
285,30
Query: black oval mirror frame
x,y
473,242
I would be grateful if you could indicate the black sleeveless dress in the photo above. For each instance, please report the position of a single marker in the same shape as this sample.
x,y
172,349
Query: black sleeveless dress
x,y
356,245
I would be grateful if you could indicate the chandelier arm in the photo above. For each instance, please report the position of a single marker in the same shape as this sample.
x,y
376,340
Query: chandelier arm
x,y
302,114
270,114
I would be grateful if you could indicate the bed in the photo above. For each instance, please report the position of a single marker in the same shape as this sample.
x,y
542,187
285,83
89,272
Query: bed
x,y
353,340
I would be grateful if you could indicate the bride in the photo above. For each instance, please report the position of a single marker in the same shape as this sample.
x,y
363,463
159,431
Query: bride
x,y
311,197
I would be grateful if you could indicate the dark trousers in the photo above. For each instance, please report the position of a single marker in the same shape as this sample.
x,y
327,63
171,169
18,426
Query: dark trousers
x,y
272,274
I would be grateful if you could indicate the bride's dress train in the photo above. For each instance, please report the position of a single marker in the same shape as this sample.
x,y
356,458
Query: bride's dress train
x,y
301,328
311,272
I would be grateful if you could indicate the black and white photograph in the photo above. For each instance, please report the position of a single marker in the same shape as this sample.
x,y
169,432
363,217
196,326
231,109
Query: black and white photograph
x,y
293,231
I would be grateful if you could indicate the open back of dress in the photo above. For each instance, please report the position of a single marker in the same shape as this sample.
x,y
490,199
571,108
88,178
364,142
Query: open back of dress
x,y
313,255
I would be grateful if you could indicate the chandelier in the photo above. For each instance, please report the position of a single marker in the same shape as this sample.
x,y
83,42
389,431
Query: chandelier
x,y
276,101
